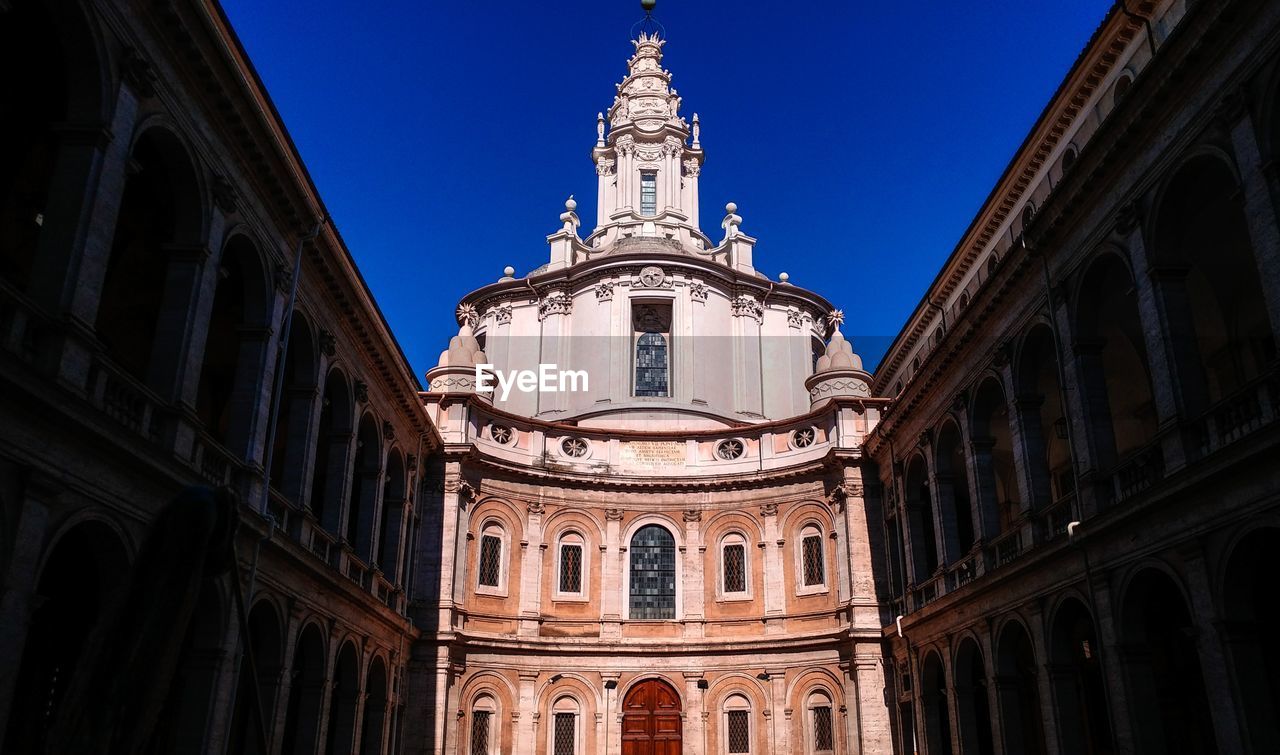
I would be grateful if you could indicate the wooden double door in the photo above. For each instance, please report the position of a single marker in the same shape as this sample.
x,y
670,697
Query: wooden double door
x,y
651,723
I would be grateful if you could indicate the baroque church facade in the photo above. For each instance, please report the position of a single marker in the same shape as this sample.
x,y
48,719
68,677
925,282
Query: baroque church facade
x,y
675,556
1045,523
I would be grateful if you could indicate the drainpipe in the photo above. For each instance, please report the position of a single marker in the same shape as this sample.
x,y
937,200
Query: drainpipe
x,y
760,357
1062,375
1093,608
282,349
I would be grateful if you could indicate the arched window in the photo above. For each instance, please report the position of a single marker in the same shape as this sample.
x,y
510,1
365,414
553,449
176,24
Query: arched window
x,y
333,438
737,724
651,323
653,574
734,580
366,468
811,560
483,734
566,726
651,365
819,723
227,392
491,572
570,565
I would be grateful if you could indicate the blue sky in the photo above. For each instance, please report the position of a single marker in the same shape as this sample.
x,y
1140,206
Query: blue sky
x,y
858,139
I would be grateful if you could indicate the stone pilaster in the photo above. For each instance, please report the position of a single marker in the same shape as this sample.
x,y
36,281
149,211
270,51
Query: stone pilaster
x,y
694,737
779,713
526,723
611,601
1044,680
286,686
694,552
1223,707
775,583
1261,189
532,550
20,575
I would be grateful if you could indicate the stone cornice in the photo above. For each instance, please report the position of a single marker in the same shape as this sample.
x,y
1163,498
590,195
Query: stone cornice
x,y
584,274
1102,52
859,404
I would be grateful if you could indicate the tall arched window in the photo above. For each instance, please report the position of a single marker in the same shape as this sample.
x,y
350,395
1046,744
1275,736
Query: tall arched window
x,y
651,365
734,579
819,723
653,574
737,725
652,327
812,560
484,734
566,726
570,565
491,577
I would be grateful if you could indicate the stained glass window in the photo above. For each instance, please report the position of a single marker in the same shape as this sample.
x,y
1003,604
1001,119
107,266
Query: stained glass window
x,y
570,568
823,741
814,570
480,732
735,568
648,193
653,574
739,725
651,365
490,560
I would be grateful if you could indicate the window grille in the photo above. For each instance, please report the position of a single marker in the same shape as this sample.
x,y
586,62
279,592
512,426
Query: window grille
x,y
730,449
480,732
653,574
823,741
735,568
648,194
565,730
490,556
814,570
804,437
739,731
651,365
571,568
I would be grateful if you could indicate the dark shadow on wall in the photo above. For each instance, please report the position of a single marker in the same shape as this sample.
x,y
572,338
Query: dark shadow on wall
x,y
424,695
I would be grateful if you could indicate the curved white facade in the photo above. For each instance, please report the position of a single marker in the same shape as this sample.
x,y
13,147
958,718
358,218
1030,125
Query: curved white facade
x,y
676,551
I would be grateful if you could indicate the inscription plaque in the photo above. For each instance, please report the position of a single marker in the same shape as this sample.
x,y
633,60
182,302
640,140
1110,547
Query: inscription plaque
x,y
652,454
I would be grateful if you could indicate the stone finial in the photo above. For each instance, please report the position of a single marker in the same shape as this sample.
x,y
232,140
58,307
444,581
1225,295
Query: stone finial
x,y
839,355
731,221
838,371
569,217
466,314
508,273
783,277
464,350
697,132
599,129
